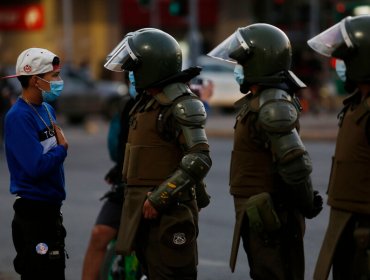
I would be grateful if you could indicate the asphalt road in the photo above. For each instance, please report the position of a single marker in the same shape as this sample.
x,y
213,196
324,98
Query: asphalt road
x,y
85,168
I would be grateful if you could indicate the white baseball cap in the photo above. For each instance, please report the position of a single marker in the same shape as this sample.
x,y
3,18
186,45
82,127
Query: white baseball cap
x,y
35,61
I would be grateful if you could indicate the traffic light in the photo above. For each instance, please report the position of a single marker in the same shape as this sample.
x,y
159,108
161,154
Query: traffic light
x,y
178,7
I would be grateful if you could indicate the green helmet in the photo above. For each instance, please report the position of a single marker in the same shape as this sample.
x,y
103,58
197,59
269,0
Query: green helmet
x,y
150,53
262,49
348,40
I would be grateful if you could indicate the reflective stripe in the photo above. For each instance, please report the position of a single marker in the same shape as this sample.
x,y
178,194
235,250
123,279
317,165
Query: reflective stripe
x,y
241,40
345,35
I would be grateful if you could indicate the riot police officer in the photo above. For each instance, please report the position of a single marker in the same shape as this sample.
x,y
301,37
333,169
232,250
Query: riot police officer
x,y
270,166
166,158
346,245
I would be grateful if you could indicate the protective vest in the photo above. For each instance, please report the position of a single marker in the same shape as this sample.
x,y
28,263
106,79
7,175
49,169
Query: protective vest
x,y
149,159
251,170
349,185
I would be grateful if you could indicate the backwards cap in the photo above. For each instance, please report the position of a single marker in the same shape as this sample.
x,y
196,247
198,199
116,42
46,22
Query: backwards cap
x,y
35,61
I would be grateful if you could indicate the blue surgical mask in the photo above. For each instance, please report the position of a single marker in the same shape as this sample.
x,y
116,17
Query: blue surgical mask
x,y
239,74
56,88
340,68
132,89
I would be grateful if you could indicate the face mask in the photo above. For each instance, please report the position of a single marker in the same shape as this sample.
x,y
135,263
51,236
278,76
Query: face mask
x,y
239,74
132,89
340,68
56,87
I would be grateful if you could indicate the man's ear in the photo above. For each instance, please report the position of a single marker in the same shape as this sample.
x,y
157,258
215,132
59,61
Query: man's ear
x,y
33,81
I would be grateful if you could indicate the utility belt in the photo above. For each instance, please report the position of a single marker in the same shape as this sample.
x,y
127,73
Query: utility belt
x,y
261,214
259,211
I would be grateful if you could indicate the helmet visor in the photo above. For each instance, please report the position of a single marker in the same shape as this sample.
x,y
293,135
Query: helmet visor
x,y
231,48
331,39
121,58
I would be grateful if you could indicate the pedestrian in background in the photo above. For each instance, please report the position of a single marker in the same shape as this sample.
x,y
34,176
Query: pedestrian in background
x,y
270,166
204,89
35,149
107,223
167,156
346,245
6,92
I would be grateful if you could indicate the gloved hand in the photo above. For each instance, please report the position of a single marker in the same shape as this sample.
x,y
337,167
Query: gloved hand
x,y
202,197
114,175
317,206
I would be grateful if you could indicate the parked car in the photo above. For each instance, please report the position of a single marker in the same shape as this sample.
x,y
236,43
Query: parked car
x,y
226,90
82,97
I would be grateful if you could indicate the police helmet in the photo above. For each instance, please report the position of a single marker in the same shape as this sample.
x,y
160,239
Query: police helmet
x,y
150,53
262,49
348,40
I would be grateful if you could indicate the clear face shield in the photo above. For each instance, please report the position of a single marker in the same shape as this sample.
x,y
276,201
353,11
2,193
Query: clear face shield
x,y
121,58
231,49
331,39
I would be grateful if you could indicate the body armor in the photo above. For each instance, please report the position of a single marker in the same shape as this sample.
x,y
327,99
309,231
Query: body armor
x,y
266,141
349,187
168,165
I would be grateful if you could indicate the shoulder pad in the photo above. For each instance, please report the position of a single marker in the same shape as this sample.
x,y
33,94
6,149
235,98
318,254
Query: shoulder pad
x,y
190,111
273,94
277,112
172,92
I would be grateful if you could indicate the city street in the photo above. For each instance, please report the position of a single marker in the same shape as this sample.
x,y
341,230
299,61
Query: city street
x,y
88,162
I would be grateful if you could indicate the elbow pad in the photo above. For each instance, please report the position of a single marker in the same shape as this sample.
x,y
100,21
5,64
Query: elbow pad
x,y
193,168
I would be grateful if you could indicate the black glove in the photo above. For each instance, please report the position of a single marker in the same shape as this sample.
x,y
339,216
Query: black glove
x,y
317,206
116,194
114,175
202,197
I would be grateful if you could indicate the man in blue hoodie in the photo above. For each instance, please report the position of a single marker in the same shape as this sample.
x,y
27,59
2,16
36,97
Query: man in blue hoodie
x,y
35,149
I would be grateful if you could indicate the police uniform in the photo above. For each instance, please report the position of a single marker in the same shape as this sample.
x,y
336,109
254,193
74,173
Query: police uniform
x,y
349,196
253,172
166,157
346,245
270,167
150,160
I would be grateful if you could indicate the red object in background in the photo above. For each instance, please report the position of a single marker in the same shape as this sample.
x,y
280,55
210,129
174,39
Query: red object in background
x,y
340,7
333,62
134,15
25,17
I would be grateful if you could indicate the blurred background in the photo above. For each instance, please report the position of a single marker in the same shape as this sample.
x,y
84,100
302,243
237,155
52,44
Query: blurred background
x,y
83,32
